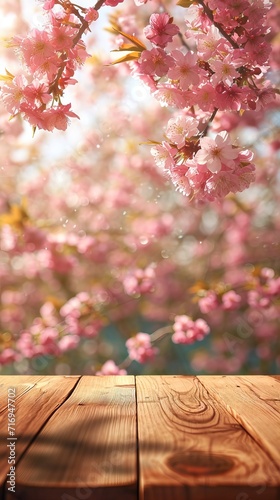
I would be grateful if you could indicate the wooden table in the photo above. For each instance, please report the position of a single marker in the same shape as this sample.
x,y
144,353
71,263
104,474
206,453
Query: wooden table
x,y
149,437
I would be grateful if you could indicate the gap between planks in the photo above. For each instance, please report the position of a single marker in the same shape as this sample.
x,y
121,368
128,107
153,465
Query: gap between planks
x,y
192,448
254,403
88,444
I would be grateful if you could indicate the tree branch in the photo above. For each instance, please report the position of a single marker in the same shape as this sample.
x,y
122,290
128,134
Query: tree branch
x,y
209,14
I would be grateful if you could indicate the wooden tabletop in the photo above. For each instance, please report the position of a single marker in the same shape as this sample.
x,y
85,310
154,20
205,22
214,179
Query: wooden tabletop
x,y
147,437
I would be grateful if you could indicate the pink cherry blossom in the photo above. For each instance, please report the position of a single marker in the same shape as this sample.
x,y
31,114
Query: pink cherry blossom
x,y
62,37
208,42
81,317
140,281
188,331
58,117
33,115
258,299
170,95
48,4
216,151
181,178
48,339
273,286
91,15
161,30
68,342
110,368
155,62
233,97
140,348
37,93
185,69
113,3
48,68
8,356
209,302
13,93
163,155
36,48
181,127
231,300
206,97
224,70
230,181
258,49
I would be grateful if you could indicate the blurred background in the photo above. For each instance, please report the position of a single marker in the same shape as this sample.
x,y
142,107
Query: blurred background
x,y
96,244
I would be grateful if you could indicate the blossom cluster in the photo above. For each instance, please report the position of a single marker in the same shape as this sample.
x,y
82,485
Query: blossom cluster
x,y
208,168
220,66
140,348
263,294
215,61
188,331
50,58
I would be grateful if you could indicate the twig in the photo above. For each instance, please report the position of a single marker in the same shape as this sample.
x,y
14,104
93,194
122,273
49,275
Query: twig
x,y
209,13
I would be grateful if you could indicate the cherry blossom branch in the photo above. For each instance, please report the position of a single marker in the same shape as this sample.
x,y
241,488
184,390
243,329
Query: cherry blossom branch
x,y
183,41
76,39
99,4
209,14
204,132
154,337
83,28
160,333
180,35
54,85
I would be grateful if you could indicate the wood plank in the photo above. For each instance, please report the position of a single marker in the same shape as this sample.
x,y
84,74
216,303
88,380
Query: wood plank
x,y
88,448
23,383
265,388
191,448
33,408
241,397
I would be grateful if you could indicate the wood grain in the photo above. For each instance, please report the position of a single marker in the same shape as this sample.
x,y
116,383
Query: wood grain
x,y
43,395
87,448
265,388
191,448
22,383
245,399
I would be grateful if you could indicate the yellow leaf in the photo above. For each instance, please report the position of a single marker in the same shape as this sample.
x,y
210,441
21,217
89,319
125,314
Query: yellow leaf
x,y
16,217
114,22
185,3
199,286
150,143
8,77
129,57
132,39
127,47
55,301
111,29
